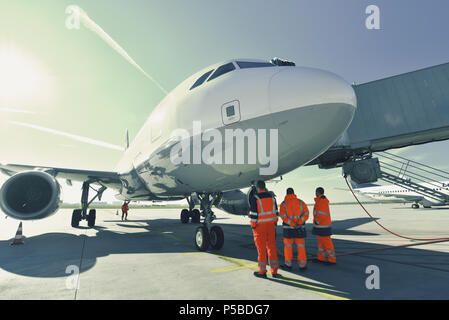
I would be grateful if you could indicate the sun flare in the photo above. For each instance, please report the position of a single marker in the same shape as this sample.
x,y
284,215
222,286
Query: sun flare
x,y
21,78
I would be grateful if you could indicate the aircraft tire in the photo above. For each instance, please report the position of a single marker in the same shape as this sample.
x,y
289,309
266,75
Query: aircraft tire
x,y
76,218
196,216
91,218
202,238
216,237
185,216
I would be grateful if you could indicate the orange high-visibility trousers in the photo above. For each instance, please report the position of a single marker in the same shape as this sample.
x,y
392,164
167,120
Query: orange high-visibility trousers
x,y
265,240
326,251
288,251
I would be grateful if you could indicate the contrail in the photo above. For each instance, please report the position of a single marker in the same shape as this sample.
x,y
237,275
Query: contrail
x,y
90,24
69,135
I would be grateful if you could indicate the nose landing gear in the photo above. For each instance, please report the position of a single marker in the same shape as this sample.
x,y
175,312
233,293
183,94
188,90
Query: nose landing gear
x,y
206,235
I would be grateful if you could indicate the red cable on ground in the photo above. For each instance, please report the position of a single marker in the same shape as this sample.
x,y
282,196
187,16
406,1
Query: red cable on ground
x,y
389,231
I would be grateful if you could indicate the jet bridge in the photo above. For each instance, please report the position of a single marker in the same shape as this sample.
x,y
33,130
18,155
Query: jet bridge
x,y
408,174
403,110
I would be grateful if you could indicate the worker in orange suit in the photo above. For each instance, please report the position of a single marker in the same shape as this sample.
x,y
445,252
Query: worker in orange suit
x,y
322,228
263,217
125,208
294,214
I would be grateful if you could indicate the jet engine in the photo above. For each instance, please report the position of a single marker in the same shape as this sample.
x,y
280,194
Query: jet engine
x,y
30,195
234,202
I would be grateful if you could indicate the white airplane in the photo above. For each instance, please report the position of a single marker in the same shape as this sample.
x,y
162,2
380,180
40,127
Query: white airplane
x,y
310,108
389,192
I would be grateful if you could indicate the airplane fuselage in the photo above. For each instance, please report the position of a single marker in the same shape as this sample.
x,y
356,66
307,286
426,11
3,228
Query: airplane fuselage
x,y
306,109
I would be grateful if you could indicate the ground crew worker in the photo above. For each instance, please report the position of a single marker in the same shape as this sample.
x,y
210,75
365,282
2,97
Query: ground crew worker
x,y
125,209
294,214
322,228
263,215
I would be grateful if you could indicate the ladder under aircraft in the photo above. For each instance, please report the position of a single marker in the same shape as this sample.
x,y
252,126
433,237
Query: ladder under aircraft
x,y
414,176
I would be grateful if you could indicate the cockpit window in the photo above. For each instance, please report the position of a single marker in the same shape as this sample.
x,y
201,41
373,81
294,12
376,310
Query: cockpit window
x,y
201,79
248,64
222,70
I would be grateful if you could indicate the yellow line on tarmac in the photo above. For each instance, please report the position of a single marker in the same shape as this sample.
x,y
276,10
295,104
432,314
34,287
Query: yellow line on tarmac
x,y
190,253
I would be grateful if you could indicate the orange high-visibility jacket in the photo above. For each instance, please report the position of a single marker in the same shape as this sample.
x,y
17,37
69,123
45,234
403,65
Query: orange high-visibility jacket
x,y
321,212
263,208
294,211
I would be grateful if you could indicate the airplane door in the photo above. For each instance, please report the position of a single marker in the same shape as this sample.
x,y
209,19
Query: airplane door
x,y
230,112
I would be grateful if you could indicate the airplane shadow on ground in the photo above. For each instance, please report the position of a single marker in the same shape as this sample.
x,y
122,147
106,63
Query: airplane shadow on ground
x,y
405,272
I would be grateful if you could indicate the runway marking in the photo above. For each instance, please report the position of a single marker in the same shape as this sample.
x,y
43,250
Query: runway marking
x,y
240,264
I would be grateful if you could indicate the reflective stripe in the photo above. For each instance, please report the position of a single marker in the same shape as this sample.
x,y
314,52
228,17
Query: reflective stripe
x,y
288,245
285,206
303,220
265,213
302,261
273,261
317,226
321,212
262,263
267,219
300,245
288,227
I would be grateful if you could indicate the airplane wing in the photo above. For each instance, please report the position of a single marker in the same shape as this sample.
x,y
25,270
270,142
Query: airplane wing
x,y
395,112
106,178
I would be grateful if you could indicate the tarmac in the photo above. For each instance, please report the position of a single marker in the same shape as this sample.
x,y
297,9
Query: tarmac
x,y
153,256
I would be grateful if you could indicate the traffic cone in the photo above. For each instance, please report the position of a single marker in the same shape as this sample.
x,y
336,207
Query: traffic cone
x,y
18,237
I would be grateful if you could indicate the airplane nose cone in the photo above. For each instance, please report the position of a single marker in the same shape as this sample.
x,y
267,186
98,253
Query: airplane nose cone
x,y
296,87
311,108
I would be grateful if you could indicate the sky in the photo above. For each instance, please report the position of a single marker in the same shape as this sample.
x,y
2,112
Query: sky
x,y
70,80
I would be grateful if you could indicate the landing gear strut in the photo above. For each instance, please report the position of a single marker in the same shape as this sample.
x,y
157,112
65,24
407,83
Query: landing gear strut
x,y
81,214
191,213
206,235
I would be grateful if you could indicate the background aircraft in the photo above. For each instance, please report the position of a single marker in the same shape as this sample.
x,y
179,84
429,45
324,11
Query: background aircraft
x,y
390,192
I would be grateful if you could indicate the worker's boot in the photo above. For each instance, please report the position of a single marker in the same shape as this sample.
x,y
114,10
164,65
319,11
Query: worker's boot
x,y
258,275
286,267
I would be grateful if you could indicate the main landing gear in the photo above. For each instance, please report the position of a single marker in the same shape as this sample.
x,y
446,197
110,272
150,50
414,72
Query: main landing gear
x,y
81,214
415,206
190,213
206,235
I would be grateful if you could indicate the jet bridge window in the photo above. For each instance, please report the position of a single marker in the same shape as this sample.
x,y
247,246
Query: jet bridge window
x,y
222,70
201,79
248,64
